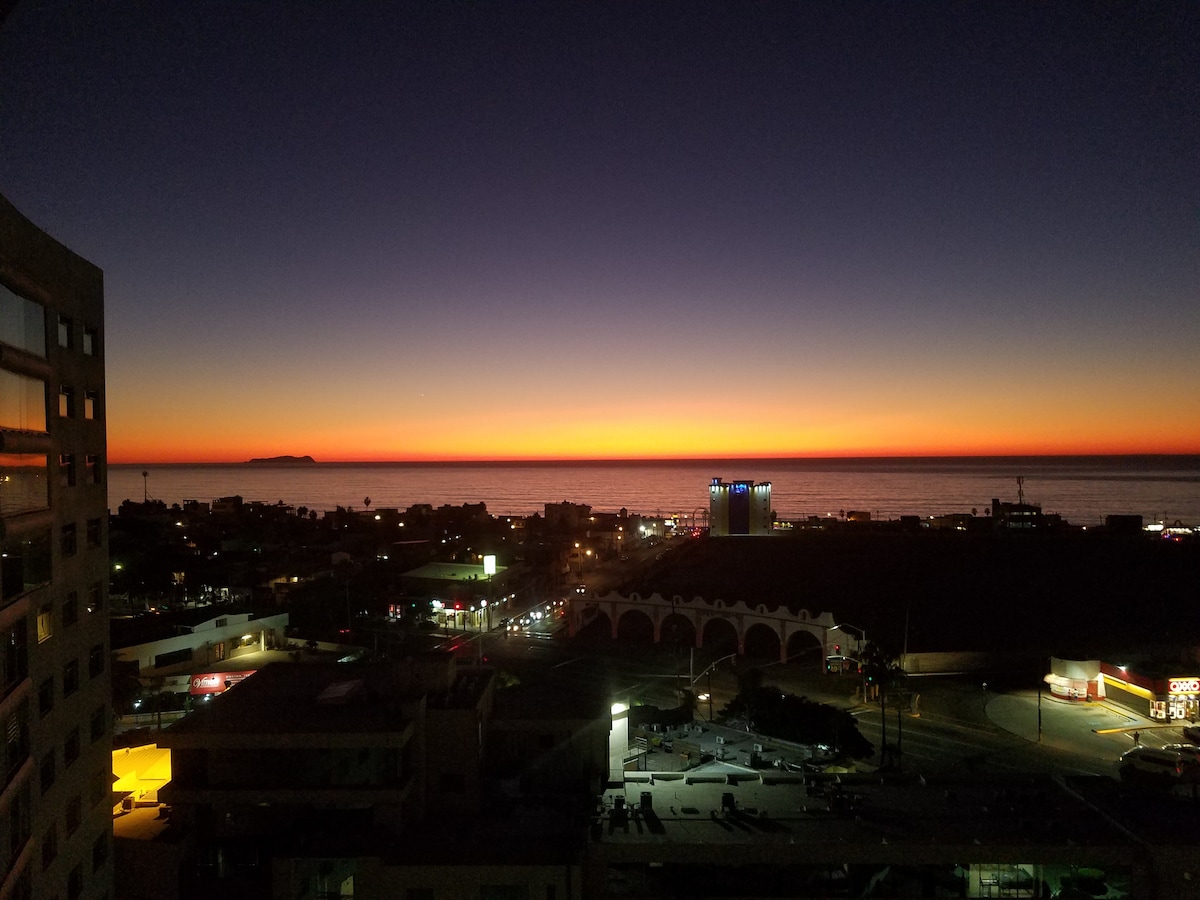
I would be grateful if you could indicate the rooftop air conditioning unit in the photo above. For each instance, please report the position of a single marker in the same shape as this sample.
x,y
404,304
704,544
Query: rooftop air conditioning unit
x,y
758,748
720,740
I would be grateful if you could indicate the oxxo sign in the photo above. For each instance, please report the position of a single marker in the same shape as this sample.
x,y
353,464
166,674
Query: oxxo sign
x,y
1183,686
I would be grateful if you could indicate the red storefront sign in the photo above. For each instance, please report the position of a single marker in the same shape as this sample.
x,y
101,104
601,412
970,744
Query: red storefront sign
x,y
1183,686
217,682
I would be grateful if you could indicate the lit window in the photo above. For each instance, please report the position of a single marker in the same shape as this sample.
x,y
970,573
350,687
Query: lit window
x,y
90,401
45,622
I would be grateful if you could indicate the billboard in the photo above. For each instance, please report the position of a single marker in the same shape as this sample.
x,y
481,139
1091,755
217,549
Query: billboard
x,y
217,682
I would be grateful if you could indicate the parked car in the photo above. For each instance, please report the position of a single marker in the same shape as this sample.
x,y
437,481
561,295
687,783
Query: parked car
x,y
1191,733
1157,764
1189,752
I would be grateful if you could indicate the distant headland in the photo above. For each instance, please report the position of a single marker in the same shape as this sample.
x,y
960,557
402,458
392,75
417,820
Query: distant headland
x,y
283,461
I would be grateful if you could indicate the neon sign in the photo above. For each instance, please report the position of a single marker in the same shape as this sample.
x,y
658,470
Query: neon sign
x,y
1183,686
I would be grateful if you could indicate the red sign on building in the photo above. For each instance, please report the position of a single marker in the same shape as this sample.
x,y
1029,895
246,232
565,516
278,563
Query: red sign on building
x,y
217,682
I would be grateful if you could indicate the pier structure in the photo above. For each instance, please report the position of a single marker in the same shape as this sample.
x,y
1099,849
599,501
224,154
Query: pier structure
x,y
695,621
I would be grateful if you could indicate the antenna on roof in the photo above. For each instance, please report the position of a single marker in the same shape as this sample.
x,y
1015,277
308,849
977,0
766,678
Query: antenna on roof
x,y
1021,489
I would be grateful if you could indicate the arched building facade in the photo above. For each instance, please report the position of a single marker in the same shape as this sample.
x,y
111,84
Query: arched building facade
x,y
698,622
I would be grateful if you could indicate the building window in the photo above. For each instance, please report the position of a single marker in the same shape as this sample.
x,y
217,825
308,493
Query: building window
x,y
19,821
26,480
90,401
102,784
14,655
91,342
70,677
49,847
24,564
46,696
93,468
16,743
100,851
95,598
70,610
75,882
99,723
66,469
22,402
96,661
69,543
45,622
46,772
71,747
74,814
64,331
66,402
93,532
22,322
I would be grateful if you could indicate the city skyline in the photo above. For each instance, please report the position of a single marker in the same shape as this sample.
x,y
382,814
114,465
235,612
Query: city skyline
x,y
623,230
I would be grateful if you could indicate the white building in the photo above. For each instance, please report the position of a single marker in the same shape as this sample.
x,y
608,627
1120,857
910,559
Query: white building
x,y
739,507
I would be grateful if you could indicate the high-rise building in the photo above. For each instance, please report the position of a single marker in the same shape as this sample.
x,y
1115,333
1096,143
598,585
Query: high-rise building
x,y
739,507
55,686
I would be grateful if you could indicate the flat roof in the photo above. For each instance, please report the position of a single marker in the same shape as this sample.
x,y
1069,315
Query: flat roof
x,y
451,572
286,698
722,804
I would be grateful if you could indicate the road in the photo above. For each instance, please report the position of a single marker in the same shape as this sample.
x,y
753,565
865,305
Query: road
x,y
957,728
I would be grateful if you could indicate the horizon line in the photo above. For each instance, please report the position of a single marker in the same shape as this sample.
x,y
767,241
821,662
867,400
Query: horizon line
x,y
301,461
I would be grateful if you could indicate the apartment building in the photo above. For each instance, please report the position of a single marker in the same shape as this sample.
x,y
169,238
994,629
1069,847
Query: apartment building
x,y
55,762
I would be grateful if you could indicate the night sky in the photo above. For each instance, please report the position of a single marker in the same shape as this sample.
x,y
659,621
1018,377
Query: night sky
x,y
369,231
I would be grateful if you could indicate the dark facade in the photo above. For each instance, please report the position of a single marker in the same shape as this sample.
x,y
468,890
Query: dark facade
x,y
56,772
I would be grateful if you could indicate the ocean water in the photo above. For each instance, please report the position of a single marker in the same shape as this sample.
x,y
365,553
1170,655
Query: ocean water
x,y
1081,489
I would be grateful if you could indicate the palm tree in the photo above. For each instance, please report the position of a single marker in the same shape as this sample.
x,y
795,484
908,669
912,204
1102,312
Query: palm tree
x,y
881,668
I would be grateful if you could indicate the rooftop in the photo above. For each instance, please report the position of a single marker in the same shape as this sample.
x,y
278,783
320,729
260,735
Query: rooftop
x,y
313,698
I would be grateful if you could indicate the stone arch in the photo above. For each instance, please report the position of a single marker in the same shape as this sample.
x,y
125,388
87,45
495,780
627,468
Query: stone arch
x,y
635,626
761,642
677,630
594,625
805,649
719,636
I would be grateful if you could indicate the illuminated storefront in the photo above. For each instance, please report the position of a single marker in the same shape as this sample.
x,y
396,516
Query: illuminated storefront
x,y
1182,700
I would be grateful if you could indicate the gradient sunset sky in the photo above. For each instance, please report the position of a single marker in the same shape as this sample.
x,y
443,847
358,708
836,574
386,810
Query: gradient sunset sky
x,y
497,230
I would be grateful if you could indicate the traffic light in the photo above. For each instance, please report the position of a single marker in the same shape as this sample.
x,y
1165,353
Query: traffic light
x,y
837,648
